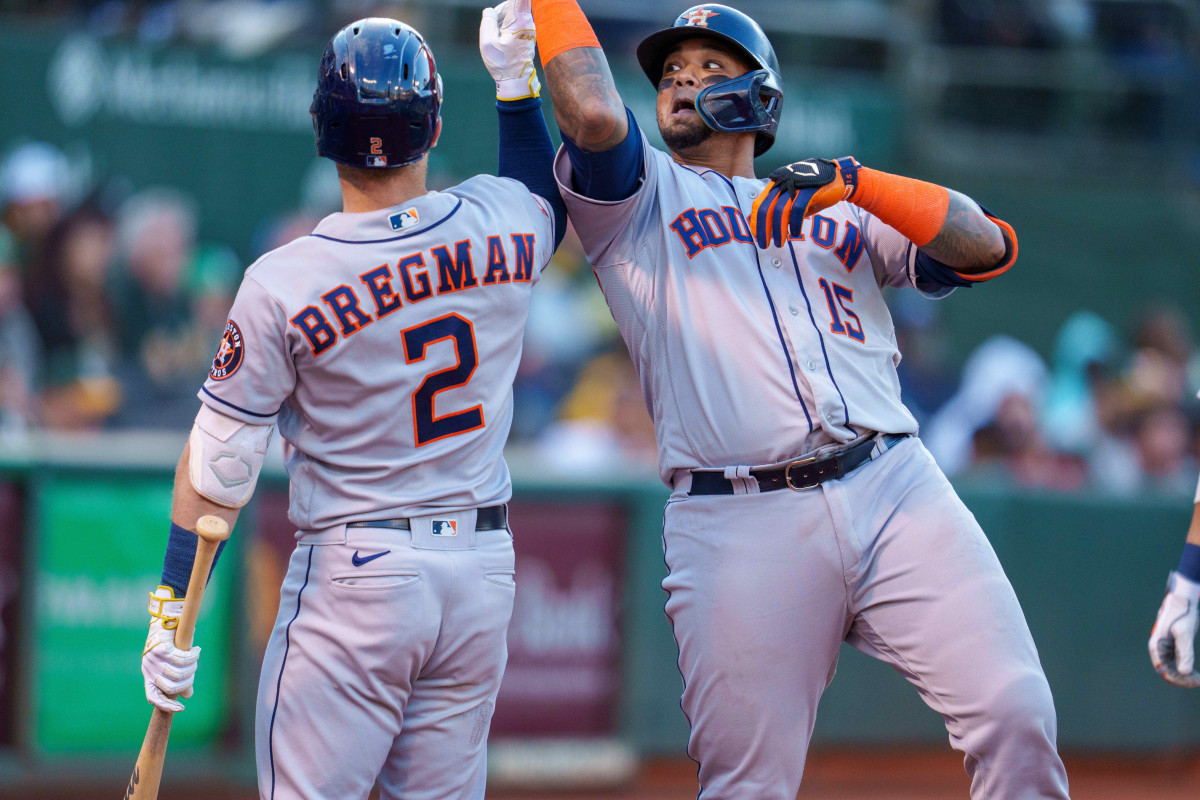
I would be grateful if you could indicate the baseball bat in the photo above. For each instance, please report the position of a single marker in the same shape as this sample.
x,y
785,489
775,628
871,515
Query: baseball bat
x,y
147,772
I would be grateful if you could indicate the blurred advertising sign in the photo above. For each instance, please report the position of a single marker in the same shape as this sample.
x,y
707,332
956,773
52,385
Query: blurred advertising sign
x,y
100,544
12,529
564,643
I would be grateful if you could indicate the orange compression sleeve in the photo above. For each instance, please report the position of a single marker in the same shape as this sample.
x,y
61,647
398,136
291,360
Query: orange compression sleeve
x,y
915,208
561,26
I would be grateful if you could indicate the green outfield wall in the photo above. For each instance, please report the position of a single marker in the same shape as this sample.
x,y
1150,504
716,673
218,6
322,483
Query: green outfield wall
x,y
1089,572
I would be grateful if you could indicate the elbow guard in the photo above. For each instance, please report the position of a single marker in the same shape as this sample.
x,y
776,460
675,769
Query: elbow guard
x,y
226,457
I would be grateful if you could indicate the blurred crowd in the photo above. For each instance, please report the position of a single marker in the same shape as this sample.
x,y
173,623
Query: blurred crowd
x,y
111,304
1108,413
110,310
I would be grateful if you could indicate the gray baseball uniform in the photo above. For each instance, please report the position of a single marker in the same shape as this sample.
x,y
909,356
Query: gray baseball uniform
x,y
385,346
753,359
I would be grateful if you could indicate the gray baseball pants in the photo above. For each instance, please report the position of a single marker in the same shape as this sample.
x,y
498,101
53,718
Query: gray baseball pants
x,y
764,587
388,670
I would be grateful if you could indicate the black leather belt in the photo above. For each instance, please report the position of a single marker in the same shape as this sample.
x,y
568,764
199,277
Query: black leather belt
x,y
806,473
491,518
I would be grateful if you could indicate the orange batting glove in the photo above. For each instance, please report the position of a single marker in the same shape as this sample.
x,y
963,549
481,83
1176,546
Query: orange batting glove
x,y
810,186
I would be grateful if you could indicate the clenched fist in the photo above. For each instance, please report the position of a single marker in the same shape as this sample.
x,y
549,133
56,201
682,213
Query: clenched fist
x,y
1172,640
806,187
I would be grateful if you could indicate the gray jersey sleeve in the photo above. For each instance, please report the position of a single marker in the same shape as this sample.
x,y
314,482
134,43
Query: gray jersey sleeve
x,y
252,372
893,256
614,228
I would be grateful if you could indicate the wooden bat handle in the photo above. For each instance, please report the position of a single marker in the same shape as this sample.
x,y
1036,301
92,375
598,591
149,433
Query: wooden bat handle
x,y
147,772
212,530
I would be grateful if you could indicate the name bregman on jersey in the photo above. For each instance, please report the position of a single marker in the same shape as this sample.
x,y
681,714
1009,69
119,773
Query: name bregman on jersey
x,y
350,307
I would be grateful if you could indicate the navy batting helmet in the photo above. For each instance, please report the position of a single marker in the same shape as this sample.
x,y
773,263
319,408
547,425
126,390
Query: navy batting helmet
x,y
750,102
378,95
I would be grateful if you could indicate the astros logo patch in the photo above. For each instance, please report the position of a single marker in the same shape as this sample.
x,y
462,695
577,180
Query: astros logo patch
x,y
229,354
700,17
445,527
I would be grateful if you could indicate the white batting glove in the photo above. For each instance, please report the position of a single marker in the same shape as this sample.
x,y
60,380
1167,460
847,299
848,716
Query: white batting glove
x,y
1171,641
506,41
167,670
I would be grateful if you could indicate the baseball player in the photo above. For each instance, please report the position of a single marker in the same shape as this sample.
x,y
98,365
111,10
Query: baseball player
x,y
383,346
804,512
1172,648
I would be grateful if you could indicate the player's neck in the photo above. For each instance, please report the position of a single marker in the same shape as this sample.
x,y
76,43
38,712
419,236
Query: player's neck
x,y
383,191
732,162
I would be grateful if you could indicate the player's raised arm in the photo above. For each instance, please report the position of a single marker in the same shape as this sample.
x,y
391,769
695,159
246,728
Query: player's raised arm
x,y
963,242
586,104
506,42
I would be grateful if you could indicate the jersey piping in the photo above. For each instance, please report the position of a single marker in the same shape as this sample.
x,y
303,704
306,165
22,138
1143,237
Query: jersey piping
x,y
279,680
419,231
234,407
820,337
770,301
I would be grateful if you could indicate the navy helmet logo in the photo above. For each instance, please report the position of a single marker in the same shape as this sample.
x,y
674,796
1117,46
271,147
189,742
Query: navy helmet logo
x,y
229,354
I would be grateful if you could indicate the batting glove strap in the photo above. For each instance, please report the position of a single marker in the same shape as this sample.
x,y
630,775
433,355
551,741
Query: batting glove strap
x,y
1183,587
165,606
849,170
521,88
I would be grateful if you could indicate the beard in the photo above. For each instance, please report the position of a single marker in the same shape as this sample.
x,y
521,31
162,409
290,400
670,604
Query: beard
x,y
685,135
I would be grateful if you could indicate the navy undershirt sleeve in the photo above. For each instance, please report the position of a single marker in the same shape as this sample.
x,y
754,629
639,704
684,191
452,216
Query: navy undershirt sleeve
x,y
181,552
932,274
609,175
527,155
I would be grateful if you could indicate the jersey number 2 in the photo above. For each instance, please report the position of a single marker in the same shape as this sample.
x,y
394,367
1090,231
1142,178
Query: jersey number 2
x,y
428,427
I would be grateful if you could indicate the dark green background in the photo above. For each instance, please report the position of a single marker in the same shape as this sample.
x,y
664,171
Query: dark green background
x,y
1121,250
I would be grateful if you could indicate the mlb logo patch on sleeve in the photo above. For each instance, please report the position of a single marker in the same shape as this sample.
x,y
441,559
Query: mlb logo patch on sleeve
x,y
445,527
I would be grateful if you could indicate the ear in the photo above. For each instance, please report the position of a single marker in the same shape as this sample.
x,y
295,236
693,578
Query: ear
x,y
437,132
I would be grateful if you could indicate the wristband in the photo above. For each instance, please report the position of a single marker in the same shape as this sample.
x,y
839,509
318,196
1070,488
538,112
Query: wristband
x,y
1189,563
181,554
561,26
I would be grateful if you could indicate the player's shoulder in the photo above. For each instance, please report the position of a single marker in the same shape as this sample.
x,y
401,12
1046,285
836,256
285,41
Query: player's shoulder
x,y
490,197
487,187
691,177
285,254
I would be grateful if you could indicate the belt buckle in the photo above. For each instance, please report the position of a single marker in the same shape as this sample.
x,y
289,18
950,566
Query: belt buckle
x,y
787,475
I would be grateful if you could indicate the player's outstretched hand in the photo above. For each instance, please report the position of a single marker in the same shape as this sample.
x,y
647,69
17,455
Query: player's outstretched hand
x,y
167,670
807,186
506,41
1171,641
